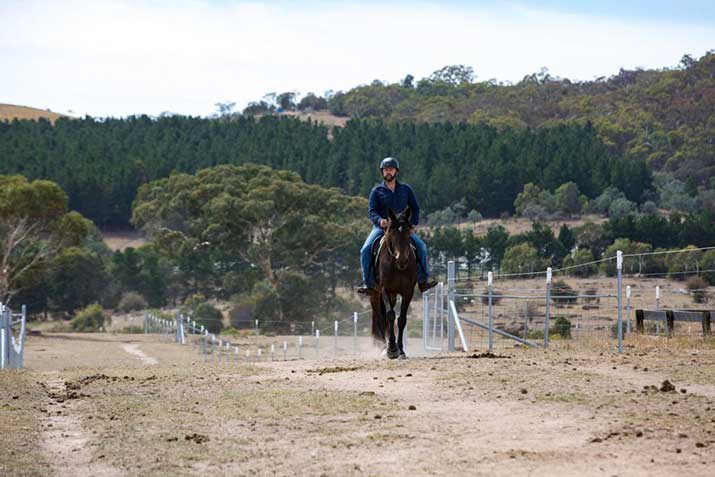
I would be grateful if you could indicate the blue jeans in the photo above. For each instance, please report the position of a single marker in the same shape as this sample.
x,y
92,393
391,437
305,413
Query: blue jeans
x,y
368,274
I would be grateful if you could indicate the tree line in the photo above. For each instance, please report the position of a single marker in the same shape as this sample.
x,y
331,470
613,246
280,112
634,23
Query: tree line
x,y
101,164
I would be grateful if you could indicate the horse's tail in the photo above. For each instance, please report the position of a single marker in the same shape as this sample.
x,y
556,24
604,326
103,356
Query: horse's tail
x,y
379,319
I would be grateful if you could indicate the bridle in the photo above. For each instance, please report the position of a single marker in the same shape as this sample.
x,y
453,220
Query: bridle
x,y
392,253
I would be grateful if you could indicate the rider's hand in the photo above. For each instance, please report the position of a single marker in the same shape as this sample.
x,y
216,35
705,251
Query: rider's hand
x,y
384,223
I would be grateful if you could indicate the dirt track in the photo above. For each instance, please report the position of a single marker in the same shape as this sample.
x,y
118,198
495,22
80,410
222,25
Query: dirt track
x,y
532,412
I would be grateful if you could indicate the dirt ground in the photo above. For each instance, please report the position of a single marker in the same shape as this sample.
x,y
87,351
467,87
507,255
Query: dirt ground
x,y
103,404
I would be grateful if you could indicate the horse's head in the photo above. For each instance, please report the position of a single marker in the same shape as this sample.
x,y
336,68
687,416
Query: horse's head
x,y
398,238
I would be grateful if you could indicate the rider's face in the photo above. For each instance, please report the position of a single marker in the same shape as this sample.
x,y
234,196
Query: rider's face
x,y
389,174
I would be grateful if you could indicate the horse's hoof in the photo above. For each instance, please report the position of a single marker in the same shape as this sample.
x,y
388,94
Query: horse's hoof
x,y
393,354
402,355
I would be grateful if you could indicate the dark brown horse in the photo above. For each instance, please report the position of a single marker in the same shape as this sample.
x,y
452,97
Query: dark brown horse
x,y
396,274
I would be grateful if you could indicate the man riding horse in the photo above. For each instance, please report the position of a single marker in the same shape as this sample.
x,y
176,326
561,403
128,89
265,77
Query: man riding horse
x,y
395,196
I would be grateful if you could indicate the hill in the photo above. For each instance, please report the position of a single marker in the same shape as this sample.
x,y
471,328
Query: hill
x,y
662,116
8,112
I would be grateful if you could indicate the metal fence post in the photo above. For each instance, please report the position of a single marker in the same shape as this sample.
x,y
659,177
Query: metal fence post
x,y
619,269
628,310
450,297
657,308
425,320
438,315
548,310
300,347
4,345
490,280
335,340
256,332
285,351
355,318
317,343
273,351
179,328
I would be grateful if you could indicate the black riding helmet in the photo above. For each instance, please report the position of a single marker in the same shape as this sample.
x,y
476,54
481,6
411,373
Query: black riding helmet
x,y
389,162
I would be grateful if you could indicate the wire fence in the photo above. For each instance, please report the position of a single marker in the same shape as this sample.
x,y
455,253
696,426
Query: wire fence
x,y
12,337
581,302
604,302
348,336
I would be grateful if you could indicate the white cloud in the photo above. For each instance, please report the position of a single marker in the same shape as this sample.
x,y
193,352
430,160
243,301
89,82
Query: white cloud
x,y
117,58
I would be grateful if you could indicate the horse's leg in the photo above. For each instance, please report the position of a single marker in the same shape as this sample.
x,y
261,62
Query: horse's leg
x,y
390,300
401,323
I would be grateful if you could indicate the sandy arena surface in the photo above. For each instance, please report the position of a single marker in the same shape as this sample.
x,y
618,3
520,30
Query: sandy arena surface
x,y
104,404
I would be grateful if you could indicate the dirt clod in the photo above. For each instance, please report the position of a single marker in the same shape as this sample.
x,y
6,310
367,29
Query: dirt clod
x,y
487,355
412,408
667,387
335,369
197,438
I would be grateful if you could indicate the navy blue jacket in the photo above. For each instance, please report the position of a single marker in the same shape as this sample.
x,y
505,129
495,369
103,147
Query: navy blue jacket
x,y
383,199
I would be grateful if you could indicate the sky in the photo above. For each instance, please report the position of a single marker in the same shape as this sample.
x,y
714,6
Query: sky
x,y
122,57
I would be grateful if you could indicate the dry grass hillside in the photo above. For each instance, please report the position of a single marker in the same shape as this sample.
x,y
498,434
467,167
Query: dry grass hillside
x,y
8,112
517,225
323,117
121,240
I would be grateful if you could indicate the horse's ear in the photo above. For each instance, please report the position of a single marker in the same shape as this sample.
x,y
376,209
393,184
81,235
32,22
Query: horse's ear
x,y
392,216
407,214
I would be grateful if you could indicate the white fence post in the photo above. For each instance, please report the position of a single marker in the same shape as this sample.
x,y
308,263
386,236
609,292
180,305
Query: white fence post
x,y
619,269
490,280
450,297
628,309
335,340
548,310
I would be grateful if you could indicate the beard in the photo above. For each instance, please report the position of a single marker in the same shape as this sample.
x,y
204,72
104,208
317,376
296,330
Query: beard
x,y
389,177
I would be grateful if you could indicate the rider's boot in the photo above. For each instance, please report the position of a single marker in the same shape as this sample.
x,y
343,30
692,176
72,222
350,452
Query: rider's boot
x,y
424,286
365,290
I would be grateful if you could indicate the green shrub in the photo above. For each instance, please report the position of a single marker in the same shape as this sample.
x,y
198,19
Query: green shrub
x,y
90,319
131,301
562,326
580,257
697,286
496,296
614,329
209,316
562,293
230,330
